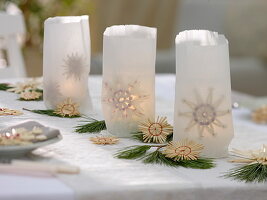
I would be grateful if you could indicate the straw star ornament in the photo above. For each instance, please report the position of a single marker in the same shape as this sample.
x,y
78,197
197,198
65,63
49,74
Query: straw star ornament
x,y
30,95
183,150
67,108
260,115
252,165
155,131
251,156
25,86
104,140
6,111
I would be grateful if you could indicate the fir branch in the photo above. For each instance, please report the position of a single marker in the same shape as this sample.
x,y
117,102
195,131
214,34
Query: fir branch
x,y
157,157
169,137
39,90
200,163
39,99
50,113
139,136
94,126
249,173
4,86
133,152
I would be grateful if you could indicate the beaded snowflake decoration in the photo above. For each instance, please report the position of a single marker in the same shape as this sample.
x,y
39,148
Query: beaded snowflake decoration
x,y
124,99
204,114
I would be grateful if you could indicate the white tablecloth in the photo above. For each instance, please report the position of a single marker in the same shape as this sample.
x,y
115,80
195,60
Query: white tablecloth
x,y
104,177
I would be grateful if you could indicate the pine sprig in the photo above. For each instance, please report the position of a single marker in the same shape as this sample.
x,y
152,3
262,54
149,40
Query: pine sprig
x,y
200,163
157,157
133,152
50,113
39,99
139,136
4,86
92,126
255,172
169,137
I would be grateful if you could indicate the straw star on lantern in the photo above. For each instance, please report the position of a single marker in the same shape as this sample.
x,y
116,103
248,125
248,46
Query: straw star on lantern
x,y
67,108
260,115
183,150
155,131
104,140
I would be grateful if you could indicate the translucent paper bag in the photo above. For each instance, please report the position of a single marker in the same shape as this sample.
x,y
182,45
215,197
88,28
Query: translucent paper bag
x,y
203,91
128,93
66,61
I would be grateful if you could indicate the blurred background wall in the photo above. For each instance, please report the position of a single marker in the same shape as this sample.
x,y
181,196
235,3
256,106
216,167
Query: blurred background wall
x,y
244,22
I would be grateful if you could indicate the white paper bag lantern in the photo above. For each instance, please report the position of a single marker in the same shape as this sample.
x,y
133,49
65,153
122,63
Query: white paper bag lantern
x,y
66,61
203,91
128,93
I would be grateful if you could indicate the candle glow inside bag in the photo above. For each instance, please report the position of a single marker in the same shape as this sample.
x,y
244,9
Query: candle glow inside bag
x,y
66,61
128,90
203,91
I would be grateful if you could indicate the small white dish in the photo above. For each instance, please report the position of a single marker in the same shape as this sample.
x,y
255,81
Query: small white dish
x,y
53,136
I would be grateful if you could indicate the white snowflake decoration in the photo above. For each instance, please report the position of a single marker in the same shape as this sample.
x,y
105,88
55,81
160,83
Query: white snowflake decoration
x,y
124,100
204,113
75,66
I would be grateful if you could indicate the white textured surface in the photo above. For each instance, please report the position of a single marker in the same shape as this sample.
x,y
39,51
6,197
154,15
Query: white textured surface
x,y
32,188
104,177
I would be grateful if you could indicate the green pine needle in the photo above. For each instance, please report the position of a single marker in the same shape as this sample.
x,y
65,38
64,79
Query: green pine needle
x,y
200,163
94,126
139,136
249,173
4,86
39,99
169,137
50,113
157,157
133,152
39,90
